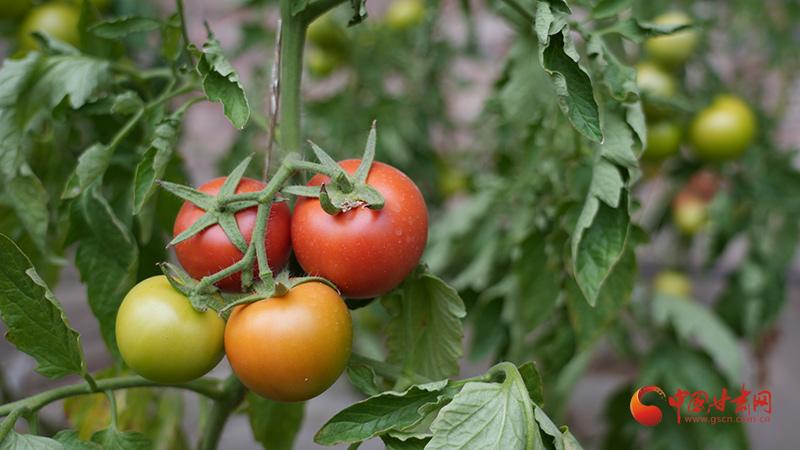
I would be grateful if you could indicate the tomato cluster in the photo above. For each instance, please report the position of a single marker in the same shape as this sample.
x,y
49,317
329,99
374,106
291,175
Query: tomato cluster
x,y
290,347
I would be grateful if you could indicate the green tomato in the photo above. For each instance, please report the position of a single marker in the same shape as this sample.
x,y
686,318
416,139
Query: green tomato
x,y
404,14
163,338
654,82
689,213
672,283
673,49
326,33
321,63
11,9
723,130
663,140
59,20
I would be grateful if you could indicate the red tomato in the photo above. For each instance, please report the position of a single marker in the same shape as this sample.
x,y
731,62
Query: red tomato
x,y
210,250
364,252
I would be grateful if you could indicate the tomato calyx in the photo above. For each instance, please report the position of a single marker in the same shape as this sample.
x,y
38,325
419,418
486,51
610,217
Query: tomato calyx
x,y
344,192
283,284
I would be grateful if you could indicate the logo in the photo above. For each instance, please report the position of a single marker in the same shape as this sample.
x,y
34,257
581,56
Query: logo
x,y
647,415
700,407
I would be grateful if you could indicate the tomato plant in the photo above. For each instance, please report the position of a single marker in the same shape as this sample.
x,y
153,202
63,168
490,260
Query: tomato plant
x,y
161,337
290,348
212,250
522,230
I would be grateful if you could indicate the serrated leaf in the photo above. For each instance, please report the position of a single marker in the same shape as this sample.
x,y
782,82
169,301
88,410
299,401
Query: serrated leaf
x,y
120,27
126,103
154,162
221,83
92,164
488,415
380,413
16,441
107,258
28,197
121,440
70,440
425,331
275,425
35,320
693,321
560,60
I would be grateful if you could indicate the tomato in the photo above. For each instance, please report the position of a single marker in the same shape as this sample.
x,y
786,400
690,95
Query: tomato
x,y
59,20
689,212
290,348
704,184
364,252
672,283
161,337
10,9
654,82
326,33
404,14
723,130
673,49
663,140
211,251
321,63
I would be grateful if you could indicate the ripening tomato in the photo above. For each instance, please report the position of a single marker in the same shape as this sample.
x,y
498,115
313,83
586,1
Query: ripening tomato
x,y
689,212
672,49
163,338
210,250
663,140
723,130
59,20
364,252
404,14
290,348
672,283
11,9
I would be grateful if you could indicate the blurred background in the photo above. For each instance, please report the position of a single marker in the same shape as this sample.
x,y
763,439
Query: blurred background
x,y
445,81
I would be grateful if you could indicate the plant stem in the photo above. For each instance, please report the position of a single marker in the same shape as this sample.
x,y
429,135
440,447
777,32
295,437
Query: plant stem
x,y
208,387
8,423
319,8
232,395
293,35
184,30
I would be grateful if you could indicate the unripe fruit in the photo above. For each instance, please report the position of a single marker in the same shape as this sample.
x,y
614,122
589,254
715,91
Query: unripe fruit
x,y
663,140
723,130
674,49
672,283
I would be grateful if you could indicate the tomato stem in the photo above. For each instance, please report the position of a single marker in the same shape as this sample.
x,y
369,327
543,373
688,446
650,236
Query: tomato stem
x,y
8,423
232,396
293,35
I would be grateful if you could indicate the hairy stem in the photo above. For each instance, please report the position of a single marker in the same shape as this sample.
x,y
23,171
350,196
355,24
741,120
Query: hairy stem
x,y
232,395
208,387
293,36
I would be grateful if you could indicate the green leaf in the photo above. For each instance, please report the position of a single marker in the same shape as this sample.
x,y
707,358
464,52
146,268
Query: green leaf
x,y
154,162
171,38
16,441
608,8
275,425
120,27
637,31
547,425
121,440
28,197
488,415
126,103
393,443
92,164
693,321
533,382
221,82
35,320
425,331
560,60
589,322
107,258
619,78
70,440
383,412
363,378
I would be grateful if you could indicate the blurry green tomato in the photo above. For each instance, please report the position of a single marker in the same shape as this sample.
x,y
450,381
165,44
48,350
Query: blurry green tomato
x,y
672,283
663,140
59,20
673,49
723,130
327,34
321,63
654,82
404,14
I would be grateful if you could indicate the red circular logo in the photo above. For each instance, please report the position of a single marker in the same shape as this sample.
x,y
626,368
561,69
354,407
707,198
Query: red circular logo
x,y
647,415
